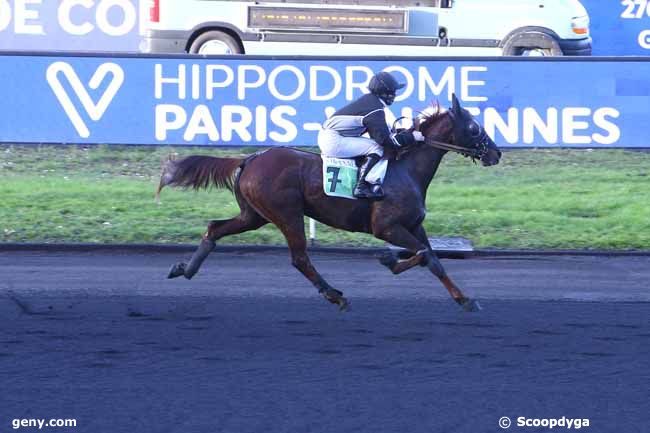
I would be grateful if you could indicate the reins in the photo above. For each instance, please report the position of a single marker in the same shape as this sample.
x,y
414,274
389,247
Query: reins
x,y
473,153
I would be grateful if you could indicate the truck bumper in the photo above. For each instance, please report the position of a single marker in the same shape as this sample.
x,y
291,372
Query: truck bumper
x,y
576,47
162,41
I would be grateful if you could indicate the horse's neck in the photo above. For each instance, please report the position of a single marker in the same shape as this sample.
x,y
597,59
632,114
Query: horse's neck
x,y
424,164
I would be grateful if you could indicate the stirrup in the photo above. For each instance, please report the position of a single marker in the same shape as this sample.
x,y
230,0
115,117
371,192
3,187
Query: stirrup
x,y
366,190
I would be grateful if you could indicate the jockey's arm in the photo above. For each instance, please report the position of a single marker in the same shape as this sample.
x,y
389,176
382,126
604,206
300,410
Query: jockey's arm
x,y
379,131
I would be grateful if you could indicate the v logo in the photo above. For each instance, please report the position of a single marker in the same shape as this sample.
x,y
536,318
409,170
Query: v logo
x,y
95,110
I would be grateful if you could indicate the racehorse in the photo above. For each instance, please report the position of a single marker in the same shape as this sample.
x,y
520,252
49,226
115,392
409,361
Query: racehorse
x,y
282,185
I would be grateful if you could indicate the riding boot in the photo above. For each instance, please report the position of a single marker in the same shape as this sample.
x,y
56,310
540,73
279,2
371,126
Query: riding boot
x,y
363,189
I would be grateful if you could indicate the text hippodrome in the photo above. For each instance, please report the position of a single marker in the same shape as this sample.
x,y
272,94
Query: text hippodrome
x,y
289,86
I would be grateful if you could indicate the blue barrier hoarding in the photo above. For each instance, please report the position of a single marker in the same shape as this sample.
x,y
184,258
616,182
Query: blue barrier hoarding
x,y
234,101
619,27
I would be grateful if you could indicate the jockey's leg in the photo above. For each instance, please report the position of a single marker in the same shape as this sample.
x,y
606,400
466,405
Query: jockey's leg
x,y
363,188
216,230
351,147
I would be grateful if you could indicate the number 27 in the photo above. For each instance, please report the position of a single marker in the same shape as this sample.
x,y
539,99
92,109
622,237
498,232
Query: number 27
x,y
642,6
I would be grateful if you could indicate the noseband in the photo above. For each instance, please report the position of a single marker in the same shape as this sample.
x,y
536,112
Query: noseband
x,y
479,150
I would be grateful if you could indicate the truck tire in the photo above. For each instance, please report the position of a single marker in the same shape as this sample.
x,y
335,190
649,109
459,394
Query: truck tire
x,y
215,42
532,43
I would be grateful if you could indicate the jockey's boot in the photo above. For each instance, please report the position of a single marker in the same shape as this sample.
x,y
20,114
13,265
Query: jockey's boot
x,y
364,189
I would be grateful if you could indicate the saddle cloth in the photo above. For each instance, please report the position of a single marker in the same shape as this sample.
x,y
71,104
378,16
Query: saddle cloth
x,y
340,175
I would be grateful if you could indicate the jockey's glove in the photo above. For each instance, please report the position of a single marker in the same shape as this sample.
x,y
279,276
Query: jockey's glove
x,y
418,136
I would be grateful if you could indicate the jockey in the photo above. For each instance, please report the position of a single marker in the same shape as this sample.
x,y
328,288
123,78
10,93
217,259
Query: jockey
x,y
341,136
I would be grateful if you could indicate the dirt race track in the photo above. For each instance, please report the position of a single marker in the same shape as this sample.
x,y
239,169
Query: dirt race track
x,y
247,346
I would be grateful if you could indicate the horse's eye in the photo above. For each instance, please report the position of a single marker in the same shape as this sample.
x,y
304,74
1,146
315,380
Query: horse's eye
x,y
474,129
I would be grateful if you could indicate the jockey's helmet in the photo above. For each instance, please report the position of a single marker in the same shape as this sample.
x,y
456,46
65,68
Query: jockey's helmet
x,y
385,86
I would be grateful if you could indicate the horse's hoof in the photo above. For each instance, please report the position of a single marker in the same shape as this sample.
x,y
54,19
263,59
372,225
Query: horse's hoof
x,y
388,260
176,270
336,297
471,305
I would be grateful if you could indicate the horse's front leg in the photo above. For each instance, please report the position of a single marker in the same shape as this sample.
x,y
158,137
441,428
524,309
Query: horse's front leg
x,y
416,252
436,269
403,260
424,256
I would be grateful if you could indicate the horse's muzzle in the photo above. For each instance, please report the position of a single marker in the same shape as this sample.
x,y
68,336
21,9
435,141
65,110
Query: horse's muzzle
x,y
492,157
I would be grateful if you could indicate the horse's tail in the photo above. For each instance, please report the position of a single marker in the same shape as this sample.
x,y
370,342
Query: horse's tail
x,y
199,172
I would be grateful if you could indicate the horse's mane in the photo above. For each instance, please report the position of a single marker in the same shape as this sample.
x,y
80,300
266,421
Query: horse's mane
x,y
429,116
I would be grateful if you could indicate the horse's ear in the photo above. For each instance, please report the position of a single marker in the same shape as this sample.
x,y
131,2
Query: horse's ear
x,y
455,104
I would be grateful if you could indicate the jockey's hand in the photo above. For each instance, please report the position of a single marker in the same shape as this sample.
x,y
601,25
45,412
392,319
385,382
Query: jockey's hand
x,y
418,136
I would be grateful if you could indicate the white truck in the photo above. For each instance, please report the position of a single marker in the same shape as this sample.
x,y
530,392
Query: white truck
x,y
369,27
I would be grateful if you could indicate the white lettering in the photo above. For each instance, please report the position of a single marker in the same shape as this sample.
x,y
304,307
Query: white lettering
x,y
201,122
5,14
533,122
242,84
314,83
128,23
196,82
164,123
211,84
65,10
570,125
23,14
351,84
260,123
493,121
229,124
300,87
426,85
644,39
291,132
466,83
600,120
179,80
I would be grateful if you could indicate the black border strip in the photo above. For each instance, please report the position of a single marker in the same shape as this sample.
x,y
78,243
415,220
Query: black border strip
x,y
112,54
247,248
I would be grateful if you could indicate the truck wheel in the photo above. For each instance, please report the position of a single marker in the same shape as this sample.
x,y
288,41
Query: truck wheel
x,y
215,42
532,43
535,52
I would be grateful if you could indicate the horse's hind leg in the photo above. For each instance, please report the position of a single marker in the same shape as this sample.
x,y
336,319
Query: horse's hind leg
x,y
216,230
295,235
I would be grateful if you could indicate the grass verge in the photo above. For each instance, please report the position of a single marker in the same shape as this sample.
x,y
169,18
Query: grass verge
x,y
533,199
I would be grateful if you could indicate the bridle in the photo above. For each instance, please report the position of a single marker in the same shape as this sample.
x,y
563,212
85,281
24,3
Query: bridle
x,y
480,149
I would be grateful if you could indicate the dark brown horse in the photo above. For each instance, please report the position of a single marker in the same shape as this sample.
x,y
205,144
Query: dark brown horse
x,y
282,185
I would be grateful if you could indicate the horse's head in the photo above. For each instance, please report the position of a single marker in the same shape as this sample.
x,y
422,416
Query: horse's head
x,y
457,130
